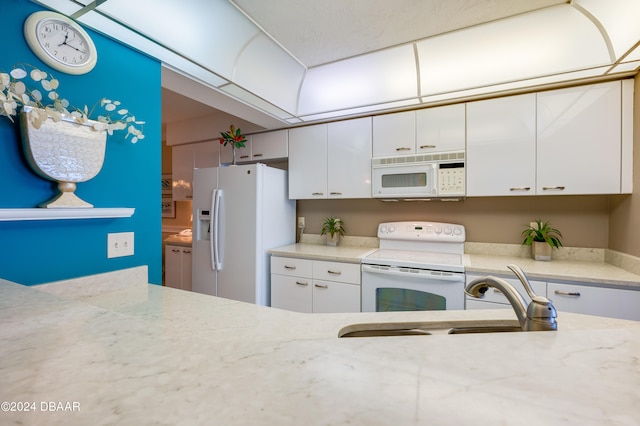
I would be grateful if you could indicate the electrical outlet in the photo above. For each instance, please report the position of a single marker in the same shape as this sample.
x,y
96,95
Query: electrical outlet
x,y
120,244
301,222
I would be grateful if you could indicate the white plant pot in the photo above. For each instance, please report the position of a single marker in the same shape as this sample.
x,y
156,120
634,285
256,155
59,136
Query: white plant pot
x,y
333,241
66,152
541,250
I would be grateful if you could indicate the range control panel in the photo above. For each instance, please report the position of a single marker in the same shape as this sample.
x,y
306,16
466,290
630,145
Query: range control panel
x,y
422,231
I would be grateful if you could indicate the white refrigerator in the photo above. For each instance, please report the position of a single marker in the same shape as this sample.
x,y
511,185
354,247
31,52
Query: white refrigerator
x,y
239,212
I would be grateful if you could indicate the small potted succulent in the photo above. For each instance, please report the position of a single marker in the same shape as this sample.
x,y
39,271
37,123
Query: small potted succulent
x,y
542,238
333,228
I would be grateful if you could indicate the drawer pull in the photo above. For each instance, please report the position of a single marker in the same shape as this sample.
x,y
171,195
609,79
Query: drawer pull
x,y
553,188
321,285
567,293
292,268
244,156
403,149
302,283
335,193
334,272
317,193
520,188
175,250
257,155
427,146
187,251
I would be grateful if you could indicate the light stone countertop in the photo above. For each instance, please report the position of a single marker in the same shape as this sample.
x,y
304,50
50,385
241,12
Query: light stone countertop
x,y
178,240
593,270
134,354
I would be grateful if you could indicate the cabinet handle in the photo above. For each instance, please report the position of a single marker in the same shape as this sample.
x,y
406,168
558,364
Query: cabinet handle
x,y
335,193
244,156
175,250
187,251
567,293
520,188
329,271
189,196
427,146
257,155
553,188
403,149
293,268
317,193
321,285
302,283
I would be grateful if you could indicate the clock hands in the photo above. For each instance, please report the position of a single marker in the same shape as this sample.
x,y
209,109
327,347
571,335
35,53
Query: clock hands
x,y
64,43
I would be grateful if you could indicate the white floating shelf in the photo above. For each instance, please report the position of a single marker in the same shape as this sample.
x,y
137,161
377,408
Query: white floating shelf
x,y
59,213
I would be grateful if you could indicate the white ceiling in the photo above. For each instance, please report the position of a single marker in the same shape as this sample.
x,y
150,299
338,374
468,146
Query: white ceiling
x,y
285,62
320,31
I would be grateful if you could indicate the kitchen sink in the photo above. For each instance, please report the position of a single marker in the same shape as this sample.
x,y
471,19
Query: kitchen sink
x,y
429,328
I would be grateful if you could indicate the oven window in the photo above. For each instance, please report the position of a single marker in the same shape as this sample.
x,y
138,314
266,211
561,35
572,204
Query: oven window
x,y
404,180
401,299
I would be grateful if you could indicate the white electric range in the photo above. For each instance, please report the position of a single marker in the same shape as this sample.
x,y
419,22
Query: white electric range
x,y
419,266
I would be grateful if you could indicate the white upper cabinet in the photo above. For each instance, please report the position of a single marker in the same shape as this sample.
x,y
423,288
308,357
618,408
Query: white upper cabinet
x,y
579,140
259,147
349,161
184,158
308,162
394,134
331,160
501,146
440,129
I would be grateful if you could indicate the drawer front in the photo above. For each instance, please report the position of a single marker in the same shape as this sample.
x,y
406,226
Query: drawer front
x,y
291,266
336,271
599,301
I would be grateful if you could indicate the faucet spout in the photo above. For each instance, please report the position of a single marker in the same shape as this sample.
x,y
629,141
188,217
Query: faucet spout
x,y
539,315
478,287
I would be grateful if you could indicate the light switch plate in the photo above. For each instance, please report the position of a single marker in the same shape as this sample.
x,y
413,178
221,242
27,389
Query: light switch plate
x,y
120,244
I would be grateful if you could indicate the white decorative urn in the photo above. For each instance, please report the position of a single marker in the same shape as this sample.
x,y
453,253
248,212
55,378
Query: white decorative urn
x,y
63,151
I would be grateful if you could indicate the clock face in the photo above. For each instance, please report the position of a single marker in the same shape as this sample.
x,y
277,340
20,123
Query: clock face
x,y
60,42
63,42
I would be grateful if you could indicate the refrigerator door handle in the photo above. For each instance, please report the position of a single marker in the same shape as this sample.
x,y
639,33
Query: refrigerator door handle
x,y
212,234
215,244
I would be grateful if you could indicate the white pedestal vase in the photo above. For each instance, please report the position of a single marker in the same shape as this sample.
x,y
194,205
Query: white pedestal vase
x,y
66,152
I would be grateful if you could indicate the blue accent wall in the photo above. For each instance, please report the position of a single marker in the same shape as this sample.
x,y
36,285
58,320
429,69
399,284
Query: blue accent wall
x,y
34,252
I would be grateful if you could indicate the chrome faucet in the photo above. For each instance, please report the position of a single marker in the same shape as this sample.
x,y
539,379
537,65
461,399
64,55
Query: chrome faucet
x,y
540,315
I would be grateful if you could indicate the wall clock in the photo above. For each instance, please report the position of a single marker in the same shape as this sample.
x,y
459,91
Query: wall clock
x,y
60,42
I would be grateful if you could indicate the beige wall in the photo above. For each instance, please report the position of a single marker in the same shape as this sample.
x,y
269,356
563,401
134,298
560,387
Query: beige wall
x,y
624,222
491,219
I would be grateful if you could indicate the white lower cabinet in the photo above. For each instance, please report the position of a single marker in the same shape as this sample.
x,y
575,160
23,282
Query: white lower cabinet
x,y
305,285
177,267
593,300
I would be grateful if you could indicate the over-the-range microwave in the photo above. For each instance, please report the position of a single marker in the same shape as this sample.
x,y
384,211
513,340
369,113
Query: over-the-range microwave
x,y
419,176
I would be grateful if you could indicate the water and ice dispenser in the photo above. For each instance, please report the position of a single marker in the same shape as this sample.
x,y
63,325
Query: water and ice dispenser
x,y
203,224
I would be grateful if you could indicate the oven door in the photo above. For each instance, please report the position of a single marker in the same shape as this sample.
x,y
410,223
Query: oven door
x,y
393,288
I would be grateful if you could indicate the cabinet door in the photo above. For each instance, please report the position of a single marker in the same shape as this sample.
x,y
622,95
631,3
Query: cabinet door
x,y
579,140
291,293
186,268
333,297
182,172
349,159
441,129
394,134
600,301
308,162
172,266
270,145
242,154
206,154
501,146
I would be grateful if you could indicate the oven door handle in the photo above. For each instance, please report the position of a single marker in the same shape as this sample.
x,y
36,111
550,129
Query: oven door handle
x,y
420,274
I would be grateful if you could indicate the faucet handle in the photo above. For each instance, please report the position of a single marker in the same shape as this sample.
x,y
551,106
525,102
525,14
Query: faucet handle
x,y
523,279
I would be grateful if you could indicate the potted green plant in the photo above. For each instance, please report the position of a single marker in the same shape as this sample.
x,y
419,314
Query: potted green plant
x,y
542,238
333,228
